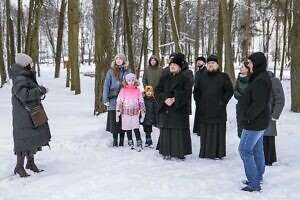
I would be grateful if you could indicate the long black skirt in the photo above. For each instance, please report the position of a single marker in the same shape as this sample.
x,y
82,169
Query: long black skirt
x,y
174,142
111,124
213,140
270,150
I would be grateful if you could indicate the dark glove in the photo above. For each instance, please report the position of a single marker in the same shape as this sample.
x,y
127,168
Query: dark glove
x,y
43,89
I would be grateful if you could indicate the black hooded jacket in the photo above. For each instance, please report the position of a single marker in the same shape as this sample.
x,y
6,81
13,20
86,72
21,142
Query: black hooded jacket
x,y
254,102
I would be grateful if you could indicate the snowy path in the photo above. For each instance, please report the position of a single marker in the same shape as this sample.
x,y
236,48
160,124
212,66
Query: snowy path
x,y
82,165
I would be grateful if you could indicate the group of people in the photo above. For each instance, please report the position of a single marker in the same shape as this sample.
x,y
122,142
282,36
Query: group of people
x,y
166,103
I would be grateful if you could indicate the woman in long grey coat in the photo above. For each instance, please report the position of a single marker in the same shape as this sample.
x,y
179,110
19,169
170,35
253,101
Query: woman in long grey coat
x,y
276,106
28,139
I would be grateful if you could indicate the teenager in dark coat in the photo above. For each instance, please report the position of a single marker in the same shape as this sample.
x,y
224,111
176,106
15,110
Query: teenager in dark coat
x,y
150,116
200,62
276,106
28,139
212,93
240,85
172,95
255,118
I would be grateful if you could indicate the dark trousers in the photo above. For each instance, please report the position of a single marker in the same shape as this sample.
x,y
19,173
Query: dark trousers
x,y
136,132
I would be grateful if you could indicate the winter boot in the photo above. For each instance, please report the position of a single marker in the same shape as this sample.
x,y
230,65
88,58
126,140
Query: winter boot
x,y
130,144
115,139
31,165
148,142
121,142
19,169
139,146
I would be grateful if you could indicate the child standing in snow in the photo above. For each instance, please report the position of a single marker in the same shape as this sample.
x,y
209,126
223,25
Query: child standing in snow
x,y
150,117
130,104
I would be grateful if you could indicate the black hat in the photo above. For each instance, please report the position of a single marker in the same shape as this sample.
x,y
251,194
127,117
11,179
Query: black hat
x,y
212,58
173,54
259,61
201,58
177,59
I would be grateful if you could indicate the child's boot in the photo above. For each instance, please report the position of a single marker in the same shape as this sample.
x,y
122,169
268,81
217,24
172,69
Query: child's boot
x,y
139,146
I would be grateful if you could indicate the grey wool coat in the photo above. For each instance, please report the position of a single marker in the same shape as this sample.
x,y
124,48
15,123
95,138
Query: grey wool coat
x,y
25,91
277,101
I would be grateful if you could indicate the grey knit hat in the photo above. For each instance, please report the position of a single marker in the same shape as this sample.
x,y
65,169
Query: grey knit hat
x,y
23,59
121,56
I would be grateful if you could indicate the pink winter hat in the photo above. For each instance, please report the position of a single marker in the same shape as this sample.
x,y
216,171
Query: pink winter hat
x,y
23,59
130,76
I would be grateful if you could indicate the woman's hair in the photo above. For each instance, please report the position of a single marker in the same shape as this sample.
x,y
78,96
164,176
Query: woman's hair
x,y
246,63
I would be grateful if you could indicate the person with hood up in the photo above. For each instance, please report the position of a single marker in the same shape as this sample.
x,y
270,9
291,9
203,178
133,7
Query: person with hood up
x,y
172,94
26,94
152,73
111,88
255,118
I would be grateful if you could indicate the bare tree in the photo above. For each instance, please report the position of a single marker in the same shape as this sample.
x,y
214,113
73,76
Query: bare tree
x,y
155,26
295,59
174,26
73,19
104,48
59,38
3,76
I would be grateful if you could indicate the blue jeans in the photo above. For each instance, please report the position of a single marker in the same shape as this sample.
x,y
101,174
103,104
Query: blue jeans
x,y
252,153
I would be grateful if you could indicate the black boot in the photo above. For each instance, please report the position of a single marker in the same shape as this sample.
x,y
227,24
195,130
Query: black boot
x,y
19,169
121,142
31,165
115,139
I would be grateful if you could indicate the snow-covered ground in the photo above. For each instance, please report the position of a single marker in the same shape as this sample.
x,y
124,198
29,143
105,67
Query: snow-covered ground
x,y
81,163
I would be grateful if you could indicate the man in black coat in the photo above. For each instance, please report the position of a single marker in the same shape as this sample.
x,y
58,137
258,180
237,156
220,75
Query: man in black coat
x,y
200,62
255,117
212,93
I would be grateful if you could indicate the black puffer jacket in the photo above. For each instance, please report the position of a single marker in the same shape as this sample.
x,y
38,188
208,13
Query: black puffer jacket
x,y
150,117
254,103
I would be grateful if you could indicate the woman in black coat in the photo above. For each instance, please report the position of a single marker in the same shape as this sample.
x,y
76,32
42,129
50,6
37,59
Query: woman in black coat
x,y
212,92
172,95
28,139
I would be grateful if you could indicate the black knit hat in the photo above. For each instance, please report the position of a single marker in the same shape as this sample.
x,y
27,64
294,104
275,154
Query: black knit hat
x,y
177,59
201,58
212,58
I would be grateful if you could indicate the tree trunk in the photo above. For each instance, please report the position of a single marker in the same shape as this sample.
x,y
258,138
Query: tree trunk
x,y
73,19
247,32
29,28
128,37
3,76
197,33
35,36
144,39
220,39
117,29
59,38
19,34
177,15
229,67
295,59
174,26
276,37
284,38
155,26
104,48
8,55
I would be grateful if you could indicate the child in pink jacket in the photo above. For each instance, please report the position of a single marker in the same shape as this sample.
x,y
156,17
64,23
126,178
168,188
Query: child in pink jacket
x,y
130,104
